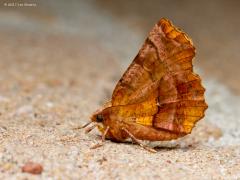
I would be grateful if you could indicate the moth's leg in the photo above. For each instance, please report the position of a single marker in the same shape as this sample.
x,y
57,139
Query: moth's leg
x,y
89,129
139,142
103,139
104,134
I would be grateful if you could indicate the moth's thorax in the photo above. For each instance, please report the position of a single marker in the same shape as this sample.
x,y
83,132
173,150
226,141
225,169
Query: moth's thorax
x,y
115,131
116,125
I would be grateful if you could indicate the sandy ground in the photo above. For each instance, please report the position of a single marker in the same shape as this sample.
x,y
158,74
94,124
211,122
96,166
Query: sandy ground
x,y
60,61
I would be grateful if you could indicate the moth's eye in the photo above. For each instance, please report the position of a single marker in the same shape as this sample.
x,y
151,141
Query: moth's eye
x,y
99,118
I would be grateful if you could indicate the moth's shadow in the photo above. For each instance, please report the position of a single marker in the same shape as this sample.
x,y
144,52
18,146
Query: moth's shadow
x,y
175,147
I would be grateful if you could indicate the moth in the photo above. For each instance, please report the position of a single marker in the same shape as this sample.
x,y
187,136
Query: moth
x,y
159,97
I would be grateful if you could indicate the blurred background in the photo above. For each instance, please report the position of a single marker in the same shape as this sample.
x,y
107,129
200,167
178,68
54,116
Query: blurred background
x,y
60,60
121,26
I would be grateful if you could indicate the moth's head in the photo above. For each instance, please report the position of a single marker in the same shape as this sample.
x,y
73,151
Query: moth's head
x,y
97,116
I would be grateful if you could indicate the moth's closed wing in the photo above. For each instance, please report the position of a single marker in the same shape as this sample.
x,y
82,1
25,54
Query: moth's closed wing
x,y
163,68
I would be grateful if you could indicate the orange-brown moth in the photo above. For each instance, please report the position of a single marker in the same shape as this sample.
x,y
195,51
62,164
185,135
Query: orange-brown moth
x,y
159,97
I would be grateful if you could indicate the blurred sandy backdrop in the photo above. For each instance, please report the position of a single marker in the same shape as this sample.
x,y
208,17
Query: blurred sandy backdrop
x,y
60,60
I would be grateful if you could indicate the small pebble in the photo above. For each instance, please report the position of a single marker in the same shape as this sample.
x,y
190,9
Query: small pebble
x,y
32,168
24,110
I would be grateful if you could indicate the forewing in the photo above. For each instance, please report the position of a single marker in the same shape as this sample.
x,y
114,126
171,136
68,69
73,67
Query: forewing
x,y
163,70
141,79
